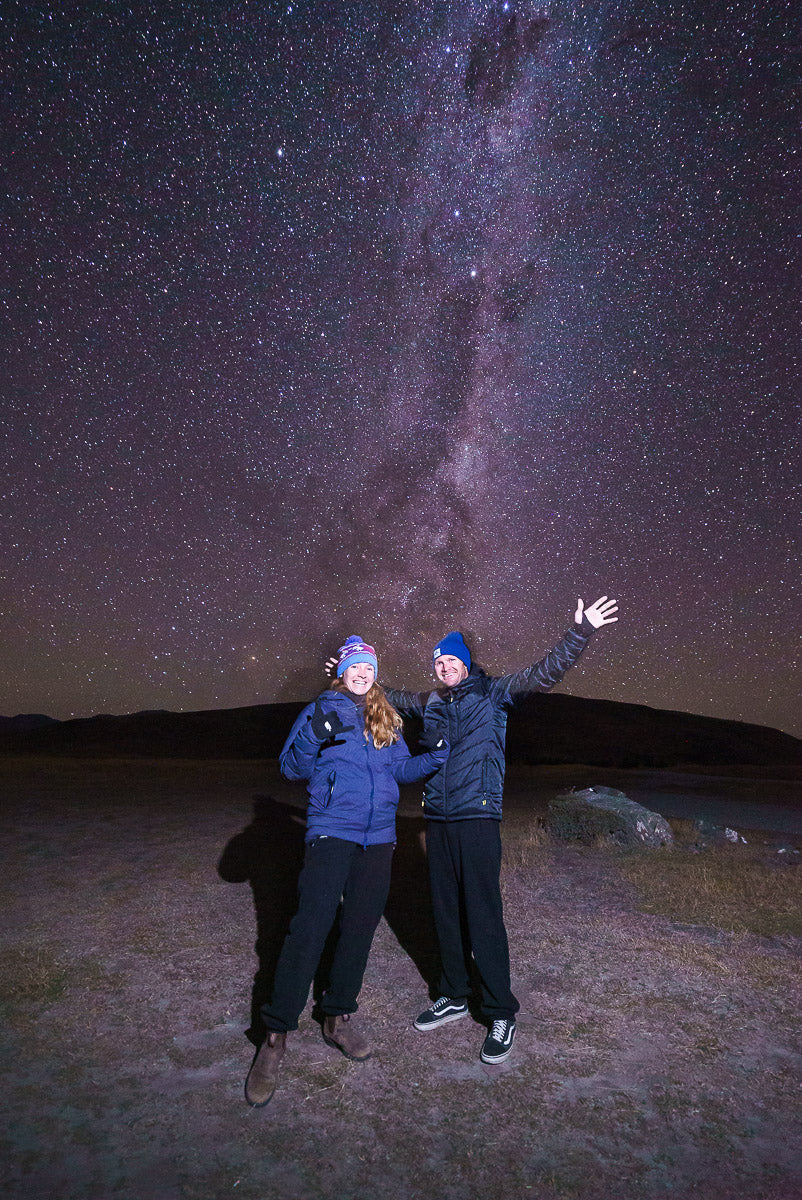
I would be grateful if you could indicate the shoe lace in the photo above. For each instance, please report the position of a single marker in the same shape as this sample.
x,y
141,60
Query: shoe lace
x,y
499,1030
443,1002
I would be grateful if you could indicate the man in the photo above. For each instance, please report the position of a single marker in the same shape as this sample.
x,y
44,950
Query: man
x,y
462,806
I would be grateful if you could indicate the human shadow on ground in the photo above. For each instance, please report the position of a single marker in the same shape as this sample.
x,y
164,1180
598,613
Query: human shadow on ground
x,y
268,854
408,911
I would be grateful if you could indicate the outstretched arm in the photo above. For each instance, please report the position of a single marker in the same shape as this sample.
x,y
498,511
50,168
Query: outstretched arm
x,y
408,704
545,674
409,769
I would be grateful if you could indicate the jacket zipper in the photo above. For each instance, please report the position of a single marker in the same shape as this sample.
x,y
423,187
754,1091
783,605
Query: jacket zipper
x,y
452,739
370,810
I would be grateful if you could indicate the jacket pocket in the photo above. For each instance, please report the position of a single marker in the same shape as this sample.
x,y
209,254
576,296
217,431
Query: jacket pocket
x,y
323,791
491,777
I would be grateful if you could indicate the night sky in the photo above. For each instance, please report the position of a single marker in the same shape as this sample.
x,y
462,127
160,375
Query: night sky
x,y
394,318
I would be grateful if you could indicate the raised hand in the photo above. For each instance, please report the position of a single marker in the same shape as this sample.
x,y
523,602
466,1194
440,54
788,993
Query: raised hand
x,y
326,725
330,666
601,612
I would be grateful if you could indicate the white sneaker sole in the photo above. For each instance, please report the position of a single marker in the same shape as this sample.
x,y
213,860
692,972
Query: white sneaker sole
x,y
498,1058
442,1021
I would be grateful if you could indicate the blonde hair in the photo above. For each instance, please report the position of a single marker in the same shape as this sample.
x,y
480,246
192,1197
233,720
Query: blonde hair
x,y
382,722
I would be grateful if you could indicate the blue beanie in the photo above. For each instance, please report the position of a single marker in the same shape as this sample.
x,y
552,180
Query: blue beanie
x,y
353,651
453,643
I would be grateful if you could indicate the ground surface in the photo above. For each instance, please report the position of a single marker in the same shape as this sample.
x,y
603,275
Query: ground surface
x,y
652,1059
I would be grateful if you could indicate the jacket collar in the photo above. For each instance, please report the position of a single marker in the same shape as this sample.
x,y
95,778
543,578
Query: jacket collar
x,y
332,695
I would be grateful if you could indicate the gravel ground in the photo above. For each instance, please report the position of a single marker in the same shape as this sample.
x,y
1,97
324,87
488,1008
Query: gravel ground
x,y
652,1059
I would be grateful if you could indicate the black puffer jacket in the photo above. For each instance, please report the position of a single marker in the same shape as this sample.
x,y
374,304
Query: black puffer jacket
x,y
473,716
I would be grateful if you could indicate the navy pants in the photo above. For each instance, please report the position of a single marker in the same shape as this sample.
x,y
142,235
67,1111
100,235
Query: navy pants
x,y
333,870
464,871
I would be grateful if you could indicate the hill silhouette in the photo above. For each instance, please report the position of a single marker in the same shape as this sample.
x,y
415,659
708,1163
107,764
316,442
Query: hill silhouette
x,y
545,729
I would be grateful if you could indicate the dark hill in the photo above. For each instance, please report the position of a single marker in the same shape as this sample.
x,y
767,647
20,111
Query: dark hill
x,y
24,722
562,729
545,729
255,732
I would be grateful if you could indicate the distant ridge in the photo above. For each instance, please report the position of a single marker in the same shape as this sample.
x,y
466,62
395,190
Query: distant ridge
x,y
24,722
544,729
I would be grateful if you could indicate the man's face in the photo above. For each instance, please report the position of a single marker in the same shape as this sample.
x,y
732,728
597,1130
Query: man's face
x,y
450,670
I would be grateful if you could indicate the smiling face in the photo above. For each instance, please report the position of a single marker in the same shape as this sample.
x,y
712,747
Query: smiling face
x,y
450,670
359,678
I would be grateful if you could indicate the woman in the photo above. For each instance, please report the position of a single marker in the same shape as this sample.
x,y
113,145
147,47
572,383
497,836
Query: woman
x,y
348,745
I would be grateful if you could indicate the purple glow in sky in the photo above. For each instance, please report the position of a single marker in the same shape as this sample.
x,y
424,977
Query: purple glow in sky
x,y
393,319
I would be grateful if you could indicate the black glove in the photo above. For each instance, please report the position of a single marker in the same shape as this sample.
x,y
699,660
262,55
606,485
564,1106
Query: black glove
x,y
326,725
432,739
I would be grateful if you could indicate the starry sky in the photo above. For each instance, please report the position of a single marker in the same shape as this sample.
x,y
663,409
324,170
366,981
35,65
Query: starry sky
x,y
392,318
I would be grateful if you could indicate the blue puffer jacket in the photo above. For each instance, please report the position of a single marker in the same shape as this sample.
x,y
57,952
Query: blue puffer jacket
x,y
473,716
353,787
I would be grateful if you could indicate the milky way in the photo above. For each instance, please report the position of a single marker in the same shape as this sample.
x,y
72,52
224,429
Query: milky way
x,y
392,319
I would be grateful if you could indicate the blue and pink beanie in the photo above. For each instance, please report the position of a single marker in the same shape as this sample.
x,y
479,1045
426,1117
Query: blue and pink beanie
x,y
353,651
452,643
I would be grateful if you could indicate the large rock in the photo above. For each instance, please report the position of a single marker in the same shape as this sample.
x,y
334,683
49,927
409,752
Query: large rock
x,y
604,812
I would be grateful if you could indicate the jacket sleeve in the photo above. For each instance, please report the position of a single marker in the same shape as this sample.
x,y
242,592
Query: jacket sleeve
x,y
408,769
408,704
545,674
297,759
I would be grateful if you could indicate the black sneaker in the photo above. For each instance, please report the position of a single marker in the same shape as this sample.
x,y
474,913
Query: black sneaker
x,y
442,1011
498,1043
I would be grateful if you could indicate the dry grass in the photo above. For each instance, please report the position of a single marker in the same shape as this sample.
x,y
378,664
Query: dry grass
x,y
40,975
526,848
742,889
33,974
734,887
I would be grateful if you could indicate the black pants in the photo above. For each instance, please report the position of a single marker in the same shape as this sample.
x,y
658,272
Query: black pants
x,y
464,869
333,870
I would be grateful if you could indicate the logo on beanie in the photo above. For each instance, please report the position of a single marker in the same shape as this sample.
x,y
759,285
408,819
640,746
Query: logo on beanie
x,y
354,651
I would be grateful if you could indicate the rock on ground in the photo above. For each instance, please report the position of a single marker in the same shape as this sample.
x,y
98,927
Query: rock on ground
x,y
605,812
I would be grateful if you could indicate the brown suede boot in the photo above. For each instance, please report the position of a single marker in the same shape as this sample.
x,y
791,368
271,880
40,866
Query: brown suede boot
x,y
263,1075
339,1031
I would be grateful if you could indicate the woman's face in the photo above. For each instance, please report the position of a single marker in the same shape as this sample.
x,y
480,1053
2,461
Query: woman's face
x,y
359,678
